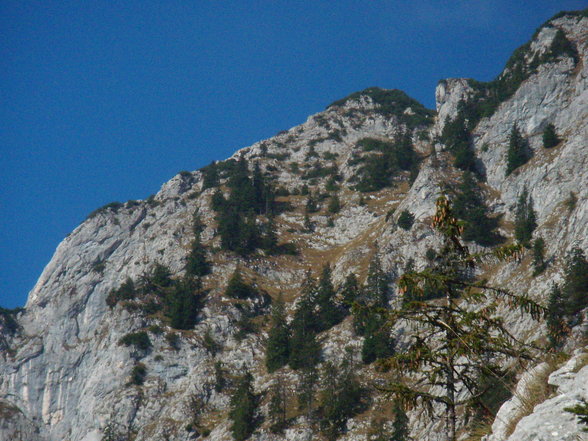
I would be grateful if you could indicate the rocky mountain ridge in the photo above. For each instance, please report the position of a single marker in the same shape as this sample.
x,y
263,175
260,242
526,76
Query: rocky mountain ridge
x,y
65,376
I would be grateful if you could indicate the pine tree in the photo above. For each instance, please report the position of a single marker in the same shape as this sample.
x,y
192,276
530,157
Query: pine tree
x,y
400,431
184,303
518,151
377,291
539,264
525,218
243,407
329,314
469,206
405,220
373,296
278,347
197,264
575,286
277,406
341,398
237,288
550,138
305,348
555,318
269,240
307,385
456,137
349,291
378,343
458,336
334,204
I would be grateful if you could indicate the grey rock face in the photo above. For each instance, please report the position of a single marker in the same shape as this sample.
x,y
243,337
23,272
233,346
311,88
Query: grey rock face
x,y
64,375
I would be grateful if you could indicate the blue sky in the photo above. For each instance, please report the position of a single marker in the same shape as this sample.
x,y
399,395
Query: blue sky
x,y
103,101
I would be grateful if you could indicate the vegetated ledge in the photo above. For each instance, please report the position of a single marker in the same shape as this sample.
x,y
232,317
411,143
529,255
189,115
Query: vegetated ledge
x,y
393,102
521,65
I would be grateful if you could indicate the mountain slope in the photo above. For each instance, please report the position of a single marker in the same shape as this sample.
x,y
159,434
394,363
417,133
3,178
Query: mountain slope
x,y
65,374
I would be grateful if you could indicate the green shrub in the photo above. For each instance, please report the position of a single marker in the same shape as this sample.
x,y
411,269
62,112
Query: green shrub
x,y
405,220
210,343
571,201
140,340
237,288
155,329
8,321
173,340
138,374
334,205
125,292
387,158
112,207
393,103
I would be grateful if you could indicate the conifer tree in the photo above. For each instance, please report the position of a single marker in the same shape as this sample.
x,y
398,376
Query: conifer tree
x,y
374,295
197,264
305,348
278,345
378,343
376,291
349,291
184,302
341,397
237,288
539,264
555,318
269,241
328,313
525,218
458,338
456,137
334,204
550,138
469,206
518,150
400,431
307,385
243,407
575,286
277,406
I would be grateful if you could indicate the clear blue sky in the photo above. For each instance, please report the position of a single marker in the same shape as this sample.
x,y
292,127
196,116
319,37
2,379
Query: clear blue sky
x,y
104,101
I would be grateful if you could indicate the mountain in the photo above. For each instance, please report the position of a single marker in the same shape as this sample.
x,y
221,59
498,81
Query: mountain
x,y
144,322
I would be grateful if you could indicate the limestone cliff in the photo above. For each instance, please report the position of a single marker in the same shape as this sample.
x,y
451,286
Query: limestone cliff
x,y
65,376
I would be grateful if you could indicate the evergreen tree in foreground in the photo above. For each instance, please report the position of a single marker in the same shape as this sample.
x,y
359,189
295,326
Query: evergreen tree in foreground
x,y
458,339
